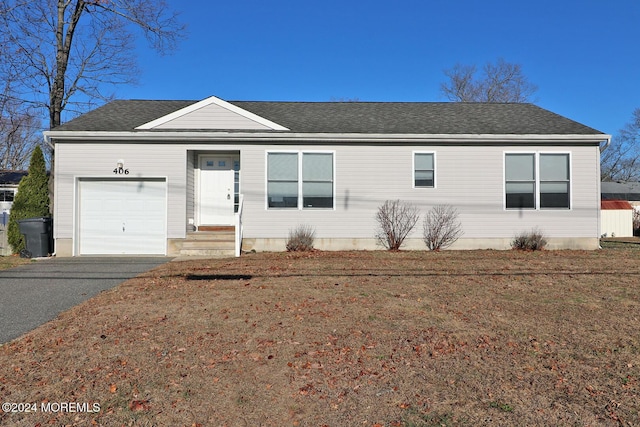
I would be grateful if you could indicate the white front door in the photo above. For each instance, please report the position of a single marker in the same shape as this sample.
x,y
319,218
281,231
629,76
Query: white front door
x,y
217,193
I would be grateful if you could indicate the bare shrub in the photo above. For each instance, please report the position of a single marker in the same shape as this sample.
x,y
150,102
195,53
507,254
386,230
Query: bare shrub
x,y
533,240
395,222
441,227
301,239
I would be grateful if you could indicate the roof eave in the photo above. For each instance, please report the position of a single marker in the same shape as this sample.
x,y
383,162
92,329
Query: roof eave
x,y
219,136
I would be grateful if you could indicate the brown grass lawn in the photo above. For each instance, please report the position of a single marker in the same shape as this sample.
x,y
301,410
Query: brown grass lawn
x,y
12,261
498,338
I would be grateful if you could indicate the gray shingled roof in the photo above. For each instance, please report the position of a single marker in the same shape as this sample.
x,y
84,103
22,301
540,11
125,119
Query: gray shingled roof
x,y
355,117
620,190
11,177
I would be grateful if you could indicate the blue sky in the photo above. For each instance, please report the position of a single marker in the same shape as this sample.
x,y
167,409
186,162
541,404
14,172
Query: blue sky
x,y
583,55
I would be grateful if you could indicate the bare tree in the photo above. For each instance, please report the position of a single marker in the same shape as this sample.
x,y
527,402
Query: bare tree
x,y
499,82
20,133
344,99
621,160
63,55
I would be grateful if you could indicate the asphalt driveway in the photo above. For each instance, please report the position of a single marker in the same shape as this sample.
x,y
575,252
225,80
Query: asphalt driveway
x,y
36,293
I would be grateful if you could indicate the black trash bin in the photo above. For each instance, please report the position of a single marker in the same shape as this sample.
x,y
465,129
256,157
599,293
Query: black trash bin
x,y
37,236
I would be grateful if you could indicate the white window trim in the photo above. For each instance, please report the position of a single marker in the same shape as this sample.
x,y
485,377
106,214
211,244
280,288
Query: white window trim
x,y
300,154
413,170
537,181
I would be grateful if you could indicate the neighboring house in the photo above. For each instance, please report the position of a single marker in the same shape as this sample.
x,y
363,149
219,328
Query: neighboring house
x,y
161,177
9,181
617,218
629,191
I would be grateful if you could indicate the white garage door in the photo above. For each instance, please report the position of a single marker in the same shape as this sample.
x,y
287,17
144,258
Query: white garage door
x,y
122,216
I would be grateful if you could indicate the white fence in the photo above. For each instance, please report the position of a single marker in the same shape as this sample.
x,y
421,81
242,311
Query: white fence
x,y
616,223
4,245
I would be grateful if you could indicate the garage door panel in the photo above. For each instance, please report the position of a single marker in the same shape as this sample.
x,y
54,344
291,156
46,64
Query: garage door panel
x,y
122,217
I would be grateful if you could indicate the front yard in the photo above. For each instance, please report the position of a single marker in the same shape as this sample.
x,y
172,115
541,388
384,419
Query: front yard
x,y
344,339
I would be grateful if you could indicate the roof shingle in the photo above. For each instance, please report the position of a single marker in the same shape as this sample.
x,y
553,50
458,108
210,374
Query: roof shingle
x,y
11,177
430,118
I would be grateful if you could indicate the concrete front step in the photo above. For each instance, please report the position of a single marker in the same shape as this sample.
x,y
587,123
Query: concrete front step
x,y
214,253
208,236
209,243
212,244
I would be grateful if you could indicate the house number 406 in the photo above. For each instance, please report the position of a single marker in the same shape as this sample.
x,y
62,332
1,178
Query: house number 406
x,y
121,171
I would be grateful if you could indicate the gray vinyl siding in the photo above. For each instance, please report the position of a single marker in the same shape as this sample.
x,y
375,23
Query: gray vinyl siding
x,y
470,178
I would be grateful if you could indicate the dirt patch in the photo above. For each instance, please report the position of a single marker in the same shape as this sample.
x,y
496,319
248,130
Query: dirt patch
x,y
345,338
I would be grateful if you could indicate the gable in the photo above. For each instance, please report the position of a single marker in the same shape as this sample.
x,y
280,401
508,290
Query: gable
x,y
211,114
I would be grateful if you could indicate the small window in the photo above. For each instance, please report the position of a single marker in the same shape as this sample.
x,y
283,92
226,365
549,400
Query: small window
x,y
424,171
6,195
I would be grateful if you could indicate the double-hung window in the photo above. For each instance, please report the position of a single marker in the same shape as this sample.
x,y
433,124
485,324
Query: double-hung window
x,y
423,170
282,180
317,180
520,186
554,180
302,180
537,181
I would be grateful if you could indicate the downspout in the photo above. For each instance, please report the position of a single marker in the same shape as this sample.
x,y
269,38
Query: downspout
x,y
606,145
47,140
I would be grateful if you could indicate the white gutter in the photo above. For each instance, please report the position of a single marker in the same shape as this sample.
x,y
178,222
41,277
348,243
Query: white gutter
x,y
47,140
606,145
205,136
